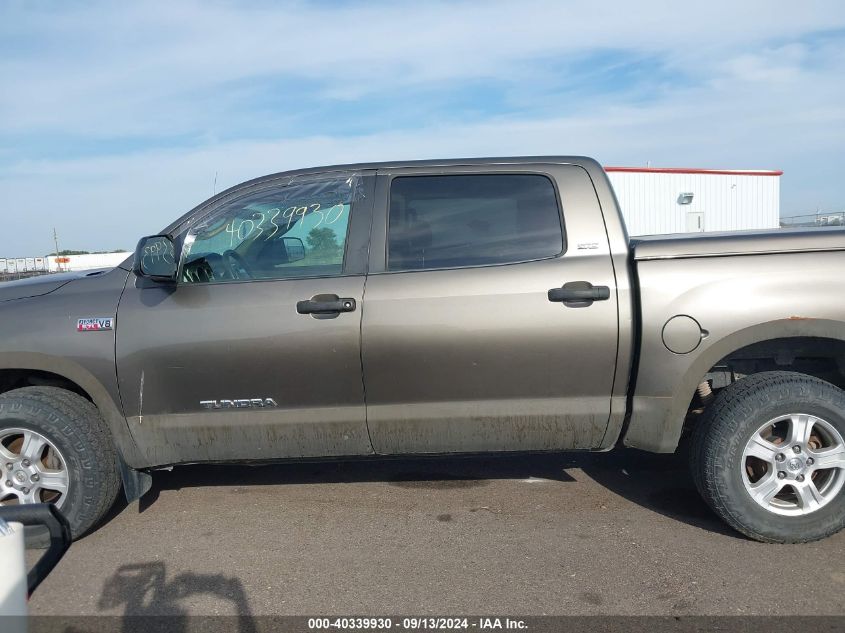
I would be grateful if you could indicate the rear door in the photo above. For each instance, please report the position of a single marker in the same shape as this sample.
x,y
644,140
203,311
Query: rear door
x,y
491,313
255,353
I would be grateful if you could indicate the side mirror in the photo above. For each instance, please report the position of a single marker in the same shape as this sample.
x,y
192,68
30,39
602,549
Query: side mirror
x,y
155,258
294,248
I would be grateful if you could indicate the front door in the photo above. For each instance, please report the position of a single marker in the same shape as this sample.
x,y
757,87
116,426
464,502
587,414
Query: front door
x,y
465,349
255,353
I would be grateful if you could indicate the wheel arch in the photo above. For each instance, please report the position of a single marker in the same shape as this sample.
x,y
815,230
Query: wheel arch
x,y
656,424
23,369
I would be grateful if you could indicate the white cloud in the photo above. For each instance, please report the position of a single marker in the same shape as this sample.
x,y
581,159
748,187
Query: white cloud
x,y
140,68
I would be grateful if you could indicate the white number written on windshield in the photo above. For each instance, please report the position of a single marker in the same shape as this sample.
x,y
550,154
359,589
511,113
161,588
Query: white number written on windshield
x,y
265,224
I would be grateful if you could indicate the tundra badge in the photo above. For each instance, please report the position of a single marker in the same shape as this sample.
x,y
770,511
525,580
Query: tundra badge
x,y
254,403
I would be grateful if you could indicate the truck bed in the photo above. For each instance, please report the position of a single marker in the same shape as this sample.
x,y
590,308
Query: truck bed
x,y
738,243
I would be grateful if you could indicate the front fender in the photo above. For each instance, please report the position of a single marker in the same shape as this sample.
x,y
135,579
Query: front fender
x,y
40,334
105,398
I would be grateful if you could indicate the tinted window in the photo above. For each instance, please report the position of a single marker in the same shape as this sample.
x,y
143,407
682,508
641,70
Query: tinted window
x,y
453,221
297,230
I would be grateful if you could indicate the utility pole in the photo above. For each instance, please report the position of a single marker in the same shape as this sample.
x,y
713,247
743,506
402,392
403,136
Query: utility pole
x,y
56,242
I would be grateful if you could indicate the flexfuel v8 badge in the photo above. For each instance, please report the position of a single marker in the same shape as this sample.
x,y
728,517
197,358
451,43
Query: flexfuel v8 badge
x,y
95,324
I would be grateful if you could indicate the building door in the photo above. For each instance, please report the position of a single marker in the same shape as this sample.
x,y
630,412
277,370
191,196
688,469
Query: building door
x,y
695,221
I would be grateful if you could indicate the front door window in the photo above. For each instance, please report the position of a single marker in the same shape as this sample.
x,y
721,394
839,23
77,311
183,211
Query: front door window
x,y
283,232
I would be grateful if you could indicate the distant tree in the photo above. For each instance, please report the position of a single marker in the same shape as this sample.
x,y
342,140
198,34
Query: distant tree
x,y
323,245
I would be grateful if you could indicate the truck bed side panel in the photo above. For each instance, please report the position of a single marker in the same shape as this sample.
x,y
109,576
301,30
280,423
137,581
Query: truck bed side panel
x,y
737,300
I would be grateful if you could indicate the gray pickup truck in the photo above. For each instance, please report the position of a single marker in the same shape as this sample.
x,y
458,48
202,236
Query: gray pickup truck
x,y
452,306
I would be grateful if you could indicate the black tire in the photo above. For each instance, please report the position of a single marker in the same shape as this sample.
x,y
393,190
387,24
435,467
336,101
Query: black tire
x,y
74,426
721,436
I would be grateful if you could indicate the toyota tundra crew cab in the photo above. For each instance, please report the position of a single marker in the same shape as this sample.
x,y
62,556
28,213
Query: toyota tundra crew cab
x,y
450,306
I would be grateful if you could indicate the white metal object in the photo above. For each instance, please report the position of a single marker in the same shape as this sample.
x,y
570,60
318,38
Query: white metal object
x,y
85,262
657,201
13,588
65,263
695,222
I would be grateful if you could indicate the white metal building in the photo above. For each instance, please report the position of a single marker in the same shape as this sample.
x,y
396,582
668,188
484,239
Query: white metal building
x,y
85,262
658,200
53,264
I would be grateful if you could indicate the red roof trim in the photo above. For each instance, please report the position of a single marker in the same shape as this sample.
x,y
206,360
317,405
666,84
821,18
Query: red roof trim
x,y
683,170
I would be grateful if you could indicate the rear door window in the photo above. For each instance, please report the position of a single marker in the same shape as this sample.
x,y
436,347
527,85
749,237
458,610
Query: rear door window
x,y
472,220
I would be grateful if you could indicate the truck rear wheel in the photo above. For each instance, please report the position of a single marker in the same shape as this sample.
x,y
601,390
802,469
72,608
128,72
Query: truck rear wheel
x,y
769,457
55,448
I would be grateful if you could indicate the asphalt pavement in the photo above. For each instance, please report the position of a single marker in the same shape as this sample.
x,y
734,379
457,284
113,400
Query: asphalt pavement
x,y
620,533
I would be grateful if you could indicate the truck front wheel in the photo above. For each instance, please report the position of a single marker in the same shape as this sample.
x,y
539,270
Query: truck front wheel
x,y
55,448
769,457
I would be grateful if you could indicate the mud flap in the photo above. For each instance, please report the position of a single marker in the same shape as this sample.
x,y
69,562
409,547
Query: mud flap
x,y
136,483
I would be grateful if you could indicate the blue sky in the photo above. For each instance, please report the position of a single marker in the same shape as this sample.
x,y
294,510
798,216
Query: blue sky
x,y
116,116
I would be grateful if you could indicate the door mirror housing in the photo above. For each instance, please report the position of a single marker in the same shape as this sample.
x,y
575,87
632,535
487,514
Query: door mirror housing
x,y
294,248
155,258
